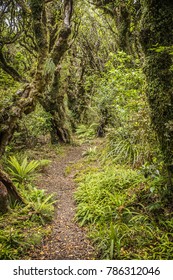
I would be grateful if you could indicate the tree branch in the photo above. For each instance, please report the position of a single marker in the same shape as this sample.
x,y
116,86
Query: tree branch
x,y
61,45
10,70
39,22
24,6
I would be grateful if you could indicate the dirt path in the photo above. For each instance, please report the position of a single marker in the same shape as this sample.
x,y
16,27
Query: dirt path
x,y
68,240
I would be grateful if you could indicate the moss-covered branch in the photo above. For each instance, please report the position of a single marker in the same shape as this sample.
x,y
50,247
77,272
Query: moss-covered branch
x,y
10,70
61,44
24,6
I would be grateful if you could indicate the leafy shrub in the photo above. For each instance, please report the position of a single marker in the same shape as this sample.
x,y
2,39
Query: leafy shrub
x,y
126,147
90,152
103,192
124,114
21,172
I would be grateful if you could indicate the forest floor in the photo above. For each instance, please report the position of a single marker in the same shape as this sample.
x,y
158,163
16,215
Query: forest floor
x,y
68,240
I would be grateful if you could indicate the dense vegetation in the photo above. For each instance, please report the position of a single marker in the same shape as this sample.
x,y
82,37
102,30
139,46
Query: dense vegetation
x,y
75,72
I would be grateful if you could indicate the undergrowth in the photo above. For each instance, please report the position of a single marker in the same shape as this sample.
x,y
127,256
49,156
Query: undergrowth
x,y
23,227
20,231
127,214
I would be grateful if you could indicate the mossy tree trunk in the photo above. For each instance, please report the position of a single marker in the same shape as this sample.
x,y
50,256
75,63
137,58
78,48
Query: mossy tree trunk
x,y
78,95
53,102
50,55
156,30
44,85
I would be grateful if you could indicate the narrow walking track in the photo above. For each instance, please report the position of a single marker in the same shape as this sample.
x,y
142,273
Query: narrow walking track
x,y
68,240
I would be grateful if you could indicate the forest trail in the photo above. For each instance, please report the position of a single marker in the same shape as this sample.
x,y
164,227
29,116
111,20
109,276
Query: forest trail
x,y
68,240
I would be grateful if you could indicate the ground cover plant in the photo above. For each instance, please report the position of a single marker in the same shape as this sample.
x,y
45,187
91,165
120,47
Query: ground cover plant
x,y
23,227
124,212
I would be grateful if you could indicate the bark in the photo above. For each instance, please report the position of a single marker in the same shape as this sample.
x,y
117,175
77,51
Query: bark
x,y
156,31
104,121
122,19
108,6
6,185
9,69
53,103
3,199
78,100
55,99
24,6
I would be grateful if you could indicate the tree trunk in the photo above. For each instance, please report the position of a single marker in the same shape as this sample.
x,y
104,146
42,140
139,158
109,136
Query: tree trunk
x,y
53,103
78,96
7,186
122,18
3,198
60,132
47,84
156,31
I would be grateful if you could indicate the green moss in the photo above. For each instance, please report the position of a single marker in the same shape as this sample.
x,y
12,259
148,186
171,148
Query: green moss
x,y
156,30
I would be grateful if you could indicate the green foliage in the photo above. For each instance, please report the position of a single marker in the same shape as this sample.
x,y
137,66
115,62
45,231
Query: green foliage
x,y
49,67
24,171
84,132
100,187
41,203
8,88
124,111
129,147
32,129
21,172
90,152
22,228
124,212
19,234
